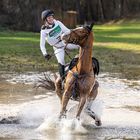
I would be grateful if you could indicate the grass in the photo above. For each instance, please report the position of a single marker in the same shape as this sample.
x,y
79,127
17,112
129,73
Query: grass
x,y
19,51
117,46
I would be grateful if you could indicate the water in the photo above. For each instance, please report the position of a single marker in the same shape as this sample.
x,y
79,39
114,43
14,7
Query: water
x,y
33,114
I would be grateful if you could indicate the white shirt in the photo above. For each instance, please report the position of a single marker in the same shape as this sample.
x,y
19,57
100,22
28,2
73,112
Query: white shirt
x,y
52,36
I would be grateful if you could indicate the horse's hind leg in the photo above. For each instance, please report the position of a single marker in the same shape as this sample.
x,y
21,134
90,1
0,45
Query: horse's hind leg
x,y
92,114
94,92
90,100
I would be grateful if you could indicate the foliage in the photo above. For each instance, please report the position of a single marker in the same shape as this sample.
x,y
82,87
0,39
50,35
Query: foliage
x,y
13,13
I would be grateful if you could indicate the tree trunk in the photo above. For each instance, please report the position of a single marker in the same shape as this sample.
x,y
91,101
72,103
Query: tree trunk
x,y
78,7
101,10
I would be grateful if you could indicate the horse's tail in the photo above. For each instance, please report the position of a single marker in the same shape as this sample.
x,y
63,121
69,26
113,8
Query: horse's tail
x,y
46,82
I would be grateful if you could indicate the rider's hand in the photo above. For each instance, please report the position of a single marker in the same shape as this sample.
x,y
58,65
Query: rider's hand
x,y
48,56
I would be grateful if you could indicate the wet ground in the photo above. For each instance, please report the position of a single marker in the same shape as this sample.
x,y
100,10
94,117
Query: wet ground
x,y
27,113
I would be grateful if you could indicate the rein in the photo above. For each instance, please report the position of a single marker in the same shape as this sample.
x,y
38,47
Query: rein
x,y
76,41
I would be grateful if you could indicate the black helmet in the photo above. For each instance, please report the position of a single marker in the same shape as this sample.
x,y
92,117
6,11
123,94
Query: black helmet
x,y
46,13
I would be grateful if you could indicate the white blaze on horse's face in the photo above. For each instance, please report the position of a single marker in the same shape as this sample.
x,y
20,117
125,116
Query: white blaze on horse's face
x,y
79,28
80,31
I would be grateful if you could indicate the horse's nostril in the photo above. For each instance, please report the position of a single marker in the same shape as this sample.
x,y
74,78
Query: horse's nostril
x,y
65,37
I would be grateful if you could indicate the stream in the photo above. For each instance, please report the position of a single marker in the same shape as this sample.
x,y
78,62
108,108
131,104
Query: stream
x,y
27,113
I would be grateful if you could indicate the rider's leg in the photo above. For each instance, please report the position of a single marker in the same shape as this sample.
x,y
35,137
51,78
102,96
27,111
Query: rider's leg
x,y
60,54
61,71
71,46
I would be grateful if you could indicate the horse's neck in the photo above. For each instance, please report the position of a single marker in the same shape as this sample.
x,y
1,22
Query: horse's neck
x,y
85,56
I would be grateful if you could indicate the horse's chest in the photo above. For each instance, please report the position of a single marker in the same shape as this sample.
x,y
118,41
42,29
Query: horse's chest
x,y
84,84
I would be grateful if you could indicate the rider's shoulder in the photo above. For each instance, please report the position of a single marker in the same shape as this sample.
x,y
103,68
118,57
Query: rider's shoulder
x,y
58,22
43,27
44,31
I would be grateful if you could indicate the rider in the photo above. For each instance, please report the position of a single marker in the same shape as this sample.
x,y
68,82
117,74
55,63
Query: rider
x,y
51,32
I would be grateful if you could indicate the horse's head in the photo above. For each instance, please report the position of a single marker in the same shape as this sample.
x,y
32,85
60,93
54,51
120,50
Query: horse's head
x,y
77,36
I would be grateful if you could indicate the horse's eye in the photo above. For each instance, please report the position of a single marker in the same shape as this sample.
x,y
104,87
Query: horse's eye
x,y
80,32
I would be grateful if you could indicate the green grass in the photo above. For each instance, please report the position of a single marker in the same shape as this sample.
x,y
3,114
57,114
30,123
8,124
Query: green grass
x,y
117,46
19,51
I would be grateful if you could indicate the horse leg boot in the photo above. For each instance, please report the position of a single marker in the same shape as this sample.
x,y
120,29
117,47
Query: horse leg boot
x,y
91,113
81,105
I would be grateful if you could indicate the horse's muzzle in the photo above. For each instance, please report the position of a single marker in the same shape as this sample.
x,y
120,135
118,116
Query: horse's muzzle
x,y
65,37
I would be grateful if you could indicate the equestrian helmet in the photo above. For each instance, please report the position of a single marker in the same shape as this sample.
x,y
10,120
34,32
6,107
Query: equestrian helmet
x,y
46,13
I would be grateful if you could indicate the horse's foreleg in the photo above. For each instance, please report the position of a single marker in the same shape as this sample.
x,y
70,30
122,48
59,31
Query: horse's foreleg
x,y
81,105
69,85
58,88
65,100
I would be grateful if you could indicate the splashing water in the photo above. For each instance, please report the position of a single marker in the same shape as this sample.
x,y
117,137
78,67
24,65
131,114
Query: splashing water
x,y
65,126
69,126
38,113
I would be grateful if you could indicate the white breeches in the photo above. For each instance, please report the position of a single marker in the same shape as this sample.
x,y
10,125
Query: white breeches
x,y
60,52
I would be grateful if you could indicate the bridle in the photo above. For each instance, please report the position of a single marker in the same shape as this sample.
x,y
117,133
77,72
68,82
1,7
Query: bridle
x,y
78,37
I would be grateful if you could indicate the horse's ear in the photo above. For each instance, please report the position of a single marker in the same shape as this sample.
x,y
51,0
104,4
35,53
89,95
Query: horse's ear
x,y
91,26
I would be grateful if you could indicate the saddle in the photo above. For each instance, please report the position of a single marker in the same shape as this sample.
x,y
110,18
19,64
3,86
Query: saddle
x,y
95,64
74,61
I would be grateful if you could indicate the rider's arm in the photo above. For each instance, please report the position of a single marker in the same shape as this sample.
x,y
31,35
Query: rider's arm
x,y
63,27
42,42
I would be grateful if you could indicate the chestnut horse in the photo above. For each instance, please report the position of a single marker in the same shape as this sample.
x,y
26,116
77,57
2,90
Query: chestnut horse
x,y
82,75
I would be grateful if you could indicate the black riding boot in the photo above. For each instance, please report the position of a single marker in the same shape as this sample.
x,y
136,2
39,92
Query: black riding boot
x,y
61,71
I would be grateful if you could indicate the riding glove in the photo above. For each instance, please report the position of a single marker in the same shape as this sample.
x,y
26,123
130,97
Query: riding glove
x,y
48,56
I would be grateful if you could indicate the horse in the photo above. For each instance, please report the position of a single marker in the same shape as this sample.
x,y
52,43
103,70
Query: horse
x,y
81,76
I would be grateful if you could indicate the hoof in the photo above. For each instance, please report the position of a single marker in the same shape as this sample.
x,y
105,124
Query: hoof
x,y
78,118
9,120
98,123
62,116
